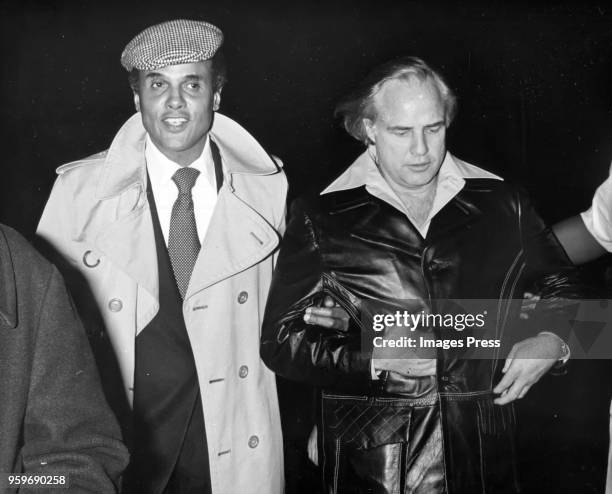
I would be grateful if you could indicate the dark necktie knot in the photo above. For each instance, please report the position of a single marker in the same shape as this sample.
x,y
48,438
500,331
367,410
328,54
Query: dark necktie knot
x,y
185,178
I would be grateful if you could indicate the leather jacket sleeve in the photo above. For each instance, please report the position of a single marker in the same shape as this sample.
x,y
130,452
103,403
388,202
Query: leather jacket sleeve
x,y
294,349
548,273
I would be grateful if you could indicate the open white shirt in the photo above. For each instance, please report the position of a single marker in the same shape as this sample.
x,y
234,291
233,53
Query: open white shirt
x,y
598,218
204,192
451,179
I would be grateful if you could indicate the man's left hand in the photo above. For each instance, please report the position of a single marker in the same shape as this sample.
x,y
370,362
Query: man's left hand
x,y
526,363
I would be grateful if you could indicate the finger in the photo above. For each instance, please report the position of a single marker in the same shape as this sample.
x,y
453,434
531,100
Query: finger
x,y
507,380
421,363
320,311
512,394
524,392
507,365
328,301
313,451
326,322
337,312
509,359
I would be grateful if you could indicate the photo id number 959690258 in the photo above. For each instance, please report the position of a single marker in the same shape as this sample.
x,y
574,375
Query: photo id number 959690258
x,y
33,480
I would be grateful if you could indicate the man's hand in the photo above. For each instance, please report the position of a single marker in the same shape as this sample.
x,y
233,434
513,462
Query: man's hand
x,y
312,447
526,363
331,315
413,367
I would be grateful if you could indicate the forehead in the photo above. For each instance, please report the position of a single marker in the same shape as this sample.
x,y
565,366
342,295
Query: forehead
x,y
409,101
202,70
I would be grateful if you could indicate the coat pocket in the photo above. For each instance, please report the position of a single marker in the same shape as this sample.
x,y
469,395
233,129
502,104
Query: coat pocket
x,y
364,423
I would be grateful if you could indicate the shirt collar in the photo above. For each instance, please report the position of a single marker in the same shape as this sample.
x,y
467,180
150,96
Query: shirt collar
x,y
124,162
161,168
364,171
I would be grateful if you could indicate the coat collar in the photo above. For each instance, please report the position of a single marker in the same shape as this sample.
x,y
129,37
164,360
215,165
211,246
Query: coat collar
x,y
364,171
124,164
8,289
349,191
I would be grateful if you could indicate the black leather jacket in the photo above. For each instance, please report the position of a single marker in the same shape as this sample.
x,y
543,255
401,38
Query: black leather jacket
x,y
486,243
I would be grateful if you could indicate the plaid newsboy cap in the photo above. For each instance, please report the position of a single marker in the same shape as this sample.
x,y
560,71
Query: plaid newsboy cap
x,y
171,43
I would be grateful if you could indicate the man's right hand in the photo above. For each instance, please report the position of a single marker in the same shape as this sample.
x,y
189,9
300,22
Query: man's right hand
x,y
330,315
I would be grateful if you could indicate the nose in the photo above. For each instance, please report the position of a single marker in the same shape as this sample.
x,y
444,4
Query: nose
x,y
419,145
175,98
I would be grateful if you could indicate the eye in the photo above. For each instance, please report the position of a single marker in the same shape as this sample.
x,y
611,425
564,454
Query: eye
x,y
194,86
157,84
435,129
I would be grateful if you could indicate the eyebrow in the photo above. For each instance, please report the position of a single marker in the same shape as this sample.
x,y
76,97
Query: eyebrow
x,y
401,127
152,75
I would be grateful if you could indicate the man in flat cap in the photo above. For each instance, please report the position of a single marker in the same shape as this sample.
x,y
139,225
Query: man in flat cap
x,y
170,237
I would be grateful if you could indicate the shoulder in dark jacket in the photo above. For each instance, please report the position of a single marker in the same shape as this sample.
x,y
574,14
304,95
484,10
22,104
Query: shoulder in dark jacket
x,y
55,420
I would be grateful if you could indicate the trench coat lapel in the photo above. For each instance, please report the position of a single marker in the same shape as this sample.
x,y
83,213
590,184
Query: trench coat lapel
x,y
237,238
128,241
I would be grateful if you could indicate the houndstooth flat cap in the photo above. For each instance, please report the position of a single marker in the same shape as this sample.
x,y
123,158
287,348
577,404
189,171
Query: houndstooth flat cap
x,y
171,43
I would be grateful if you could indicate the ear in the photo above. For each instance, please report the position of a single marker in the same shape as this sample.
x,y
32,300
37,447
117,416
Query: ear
x,y
137,102
370,129
217,100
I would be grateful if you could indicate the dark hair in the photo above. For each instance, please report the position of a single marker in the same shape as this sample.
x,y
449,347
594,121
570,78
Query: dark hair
x,y
219,71
359,105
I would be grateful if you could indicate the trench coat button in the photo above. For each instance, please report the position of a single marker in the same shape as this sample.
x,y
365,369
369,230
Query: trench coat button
x,y
445,378
115,305
243,297
253,442
243,371
89,261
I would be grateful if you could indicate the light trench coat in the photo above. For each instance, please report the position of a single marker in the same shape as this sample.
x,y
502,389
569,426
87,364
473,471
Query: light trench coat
x,y
99,220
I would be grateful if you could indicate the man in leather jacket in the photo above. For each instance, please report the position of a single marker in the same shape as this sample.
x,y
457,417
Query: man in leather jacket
x,y
407,225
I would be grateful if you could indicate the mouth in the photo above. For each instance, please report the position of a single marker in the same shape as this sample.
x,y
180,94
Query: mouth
x,y
175,122
419,166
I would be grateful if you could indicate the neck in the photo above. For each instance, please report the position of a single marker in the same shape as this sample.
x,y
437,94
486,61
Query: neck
x,y
421,191
418,201
185,157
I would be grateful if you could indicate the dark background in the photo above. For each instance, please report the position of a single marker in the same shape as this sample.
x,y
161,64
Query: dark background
x,y
534,82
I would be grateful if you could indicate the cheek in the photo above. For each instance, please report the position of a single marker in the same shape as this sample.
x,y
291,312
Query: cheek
x,y
149,106
440,142
390,145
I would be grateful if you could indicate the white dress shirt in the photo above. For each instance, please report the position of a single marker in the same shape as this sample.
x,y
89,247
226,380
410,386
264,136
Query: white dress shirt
x,y
598,219
204,192
451,179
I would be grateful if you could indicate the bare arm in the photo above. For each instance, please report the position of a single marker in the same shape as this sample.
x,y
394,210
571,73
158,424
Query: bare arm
x,y
579,244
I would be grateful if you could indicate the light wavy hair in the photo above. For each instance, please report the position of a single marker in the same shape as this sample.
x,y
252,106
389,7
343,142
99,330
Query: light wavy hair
x,y
359,105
